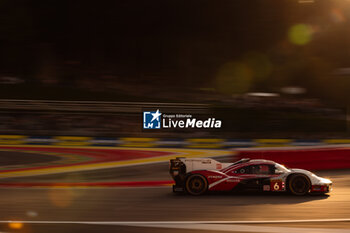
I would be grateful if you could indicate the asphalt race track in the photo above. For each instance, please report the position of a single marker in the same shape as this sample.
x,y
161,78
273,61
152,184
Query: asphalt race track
x,y
157,209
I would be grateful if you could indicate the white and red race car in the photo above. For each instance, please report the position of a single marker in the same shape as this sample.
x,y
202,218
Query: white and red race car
x,y
199,175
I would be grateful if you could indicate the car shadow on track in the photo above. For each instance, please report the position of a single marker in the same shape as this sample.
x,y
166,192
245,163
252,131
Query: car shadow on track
x,y
248,198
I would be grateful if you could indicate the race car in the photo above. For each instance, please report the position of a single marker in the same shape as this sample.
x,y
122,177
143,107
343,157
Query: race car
x,y
196,176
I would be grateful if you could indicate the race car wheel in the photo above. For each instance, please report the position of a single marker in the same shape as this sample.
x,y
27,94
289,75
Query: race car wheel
x,y
299,185
196,184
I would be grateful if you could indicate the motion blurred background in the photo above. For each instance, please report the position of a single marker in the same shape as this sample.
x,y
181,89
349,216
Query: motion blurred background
x,y
267,68
75,77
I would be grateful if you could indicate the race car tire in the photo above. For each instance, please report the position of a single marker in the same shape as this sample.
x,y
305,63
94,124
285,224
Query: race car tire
x,y
299,185
196,184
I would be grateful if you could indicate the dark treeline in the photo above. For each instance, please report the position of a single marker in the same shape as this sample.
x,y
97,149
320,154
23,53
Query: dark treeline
x,y
177,42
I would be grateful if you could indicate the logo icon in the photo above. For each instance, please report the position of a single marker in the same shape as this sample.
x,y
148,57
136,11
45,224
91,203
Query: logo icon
x,y
151,120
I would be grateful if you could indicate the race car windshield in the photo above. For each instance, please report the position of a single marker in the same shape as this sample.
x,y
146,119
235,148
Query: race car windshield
x,y
280,168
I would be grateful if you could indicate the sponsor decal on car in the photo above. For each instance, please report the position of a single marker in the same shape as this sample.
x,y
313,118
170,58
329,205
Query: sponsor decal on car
x,y
214,177
206,161
233,180
277,185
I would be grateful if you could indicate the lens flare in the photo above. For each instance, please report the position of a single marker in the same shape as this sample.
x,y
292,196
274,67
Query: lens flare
x,y
259,64
300,34
234,78
61,197
15,225
337,16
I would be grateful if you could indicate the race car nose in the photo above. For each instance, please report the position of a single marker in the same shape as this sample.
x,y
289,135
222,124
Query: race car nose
x,y
326,181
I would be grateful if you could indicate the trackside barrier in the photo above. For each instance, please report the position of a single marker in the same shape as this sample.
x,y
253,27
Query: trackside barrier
x,y
310,159
337,157
142,142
